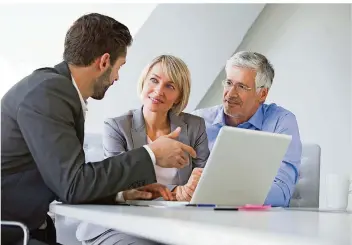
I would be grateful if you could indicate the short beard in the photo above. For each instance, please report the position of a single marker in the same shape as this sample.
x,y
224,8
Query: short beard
x,y
228,113
101,85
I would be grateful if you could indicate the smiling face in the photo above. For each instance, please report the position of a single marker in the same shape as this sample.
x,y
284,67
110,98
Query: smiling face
x,y
240,97
159,93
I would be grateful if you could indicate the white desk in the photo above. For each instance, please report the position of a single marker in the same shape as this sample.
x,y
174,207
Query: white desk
x,y
204,226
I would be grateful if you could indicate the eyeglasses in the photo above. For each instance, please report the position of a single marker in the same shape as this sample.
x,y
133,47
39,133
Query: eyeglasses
x,y
239,87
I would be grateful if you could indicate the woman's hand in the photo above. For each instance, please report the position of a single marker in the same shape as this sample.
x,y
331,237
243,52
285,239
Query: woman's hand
x,y
185,192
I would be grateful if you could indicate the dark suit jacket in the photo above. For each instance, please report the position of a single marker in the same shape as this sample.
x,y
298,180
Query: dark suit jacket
x,y
42,158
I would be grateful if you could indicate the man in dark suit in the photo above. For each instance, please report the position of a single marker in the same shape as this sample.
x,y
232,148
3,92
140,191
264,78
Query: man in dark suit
x,y
42,134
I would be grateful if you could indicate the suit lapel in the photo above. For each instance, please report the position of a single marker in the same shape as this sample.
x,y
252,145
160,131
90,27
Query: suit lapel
x,y
138,130
177,121
139,136
63,69
80,128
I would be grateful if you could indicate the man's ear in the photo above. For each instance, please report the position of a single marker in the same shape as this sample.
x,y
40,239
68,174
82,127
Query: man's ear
x,y
263,93
103,62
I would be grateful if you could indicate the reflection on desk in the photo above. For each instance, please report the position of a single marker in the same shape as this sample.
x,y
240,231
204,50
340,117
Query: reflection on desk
x,y
204,226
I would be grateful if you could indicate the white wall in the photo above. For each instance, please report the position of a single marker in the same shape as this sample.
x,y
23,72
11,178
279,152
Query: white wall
x,y
310,48
32,35
203,35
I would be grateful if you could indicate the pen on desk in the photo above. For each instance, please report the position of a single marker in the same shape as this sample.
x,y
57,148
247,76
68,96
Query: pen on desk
x,y
201,205
225,209
247,207
122,204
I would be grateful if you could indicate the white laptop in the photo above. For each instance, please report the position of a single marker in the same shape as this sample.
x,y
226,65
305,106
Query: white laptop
x,y
240,170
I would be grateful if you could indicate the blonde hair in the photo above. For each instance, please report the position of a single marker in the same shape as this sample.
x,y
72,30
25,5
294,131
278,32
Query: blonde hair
x,y
177,71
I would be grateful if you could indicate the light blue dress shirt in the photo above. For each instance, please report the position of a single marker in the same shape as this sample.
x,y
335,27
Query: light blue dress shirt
x,y
269,118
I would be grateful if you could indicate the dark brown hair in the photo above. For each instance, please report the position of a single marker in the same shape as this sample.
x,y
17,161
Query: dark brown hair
x,y
93,35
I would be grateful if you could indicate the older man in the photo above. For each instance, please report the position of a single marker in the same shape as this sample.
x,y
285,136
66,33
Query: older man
x,y
249,77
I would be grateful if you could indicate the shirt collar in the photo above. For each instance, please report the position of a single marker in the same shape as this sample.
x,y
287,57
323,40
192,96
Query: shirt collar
x,y
220,117
256,120
83,102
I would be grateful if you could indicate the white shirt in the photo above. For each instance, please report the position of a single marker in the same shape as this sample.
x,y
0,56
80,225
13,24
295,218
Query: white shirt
x,y
164,176
119,196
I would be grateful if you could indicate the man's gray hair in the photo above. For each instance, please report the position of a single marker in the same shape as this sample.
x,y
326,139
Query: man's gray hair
x,y
258,62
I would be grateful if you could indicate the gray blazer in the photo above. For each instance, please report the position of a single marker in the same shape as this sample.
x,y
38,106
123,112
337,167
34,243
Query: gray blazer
x,y
127,132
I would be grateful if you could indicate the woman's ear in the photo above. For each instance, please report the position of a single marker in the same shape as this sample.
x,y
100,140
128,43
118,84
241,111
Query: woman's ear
x,y
178,101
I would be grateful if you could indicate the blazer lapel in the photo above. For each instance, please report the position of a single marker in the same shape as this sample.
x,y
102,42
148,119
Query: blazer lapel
x,y
62,68
80,128
139,135
177,121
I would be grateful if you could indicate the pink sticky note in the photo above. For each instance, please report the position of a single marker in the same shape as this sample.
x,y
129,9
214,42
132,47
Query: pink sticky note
x,y
254,207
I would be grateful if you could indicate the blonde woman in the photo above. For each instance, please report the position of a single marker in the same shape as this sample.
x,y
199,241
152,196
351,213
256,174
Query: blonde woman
x,y
164,89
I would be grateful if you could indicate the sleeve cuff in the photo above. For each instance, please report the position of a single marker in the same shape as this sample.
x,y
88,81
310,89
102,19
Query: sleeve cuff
x,y
119,197
151,154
